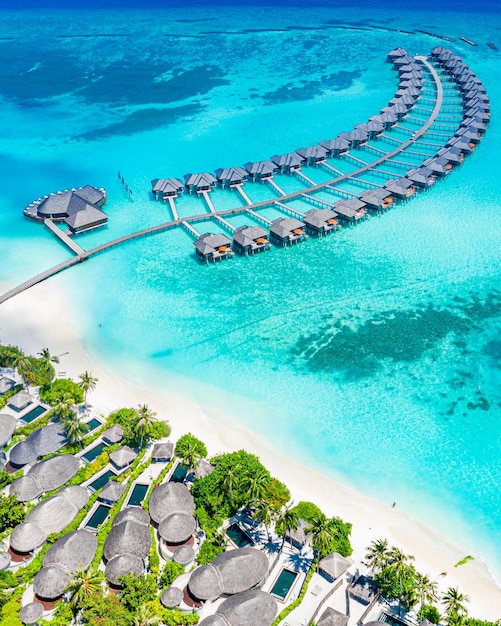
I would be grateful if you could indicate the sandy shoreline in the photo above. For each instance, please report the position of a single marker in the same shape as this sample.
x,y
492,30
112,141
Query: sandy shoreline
x,y
28,321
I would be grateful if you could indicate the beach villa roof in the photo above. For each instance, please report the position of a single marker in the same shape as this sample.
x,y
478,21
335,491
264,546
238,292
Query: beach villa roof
x,y
121,565
166,186
4,560
229,573
50,516
129,537
134,514
163,451
20,400
231,175
184,555
8,425
45,476
62,560
31,613
177,527
334,565
170,498
261,169
204,468
6,384
250,608
299,536
112,491
115,434
123,457
210,244
289,161
171,597
46,440
364,590
331,617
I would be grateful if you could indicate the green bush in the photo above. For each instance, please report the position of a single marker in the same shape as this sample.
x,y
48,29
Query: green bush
x,y
208,552
170,572
432,614
12,512
7,479
307,511
60,388
10,613
159,430
8,355
154,559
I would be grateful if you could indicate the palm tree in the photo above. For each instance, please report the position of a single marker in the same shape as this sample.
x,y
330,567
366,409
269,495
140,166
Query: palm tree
x,y
399,565
84,585
322,534
75,429
263,511
257,484
229,480
377,555
87,383
145,421
47,359
427,590
189,450
64,407
287,520
453,601
20,363
145,616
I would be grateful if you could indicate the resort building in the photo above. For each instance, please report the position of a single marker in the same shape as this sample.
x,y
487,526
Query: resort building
x,y
351,210
287,231
260,170
421,176
46,440
231,176
122,457
236,610
332,566
61,561
356,137
8,425
376,199
20,401
112,435
112,492
6,384
402,188
250,239
199,182
213,247
287,163
364,590
127,545
166,188
79,208
313,155
45,476
320,221
162,452
336,146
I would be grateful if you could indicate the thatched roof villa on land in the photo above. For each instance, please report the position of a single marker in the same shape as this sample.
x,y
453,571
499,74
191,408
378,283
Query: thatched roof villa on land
x,y
50,516
331,617
333,566
250,239
31,613
6,384
250,607
128,544
8,425
162,452
61,561
20,400
45,476
112,492
123,457
364,590
171,597
229,573
46,440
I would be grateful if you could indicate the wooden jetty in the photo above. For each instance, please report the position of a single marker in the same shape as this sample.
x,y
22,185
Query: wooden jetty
x,y
63,237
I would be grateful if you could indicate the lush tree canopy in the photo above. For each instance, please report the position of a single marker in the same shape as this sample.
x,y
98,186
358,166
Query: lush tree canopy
x,y
62,388
190,450
12,512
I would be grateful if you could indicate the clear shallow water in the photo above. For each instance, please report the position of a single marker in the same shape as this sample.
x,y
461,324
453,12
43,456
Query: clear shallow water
x,y
372,354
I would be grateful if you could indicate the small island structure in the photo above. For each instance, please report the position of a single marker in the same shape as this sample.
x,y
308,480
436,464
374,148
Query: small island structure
x,y
321,221
287,231
251,239
213,248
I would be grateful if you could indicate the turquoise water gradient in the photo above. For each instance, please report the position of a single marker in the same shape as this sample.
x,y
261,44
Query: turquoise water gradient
x,y
373,354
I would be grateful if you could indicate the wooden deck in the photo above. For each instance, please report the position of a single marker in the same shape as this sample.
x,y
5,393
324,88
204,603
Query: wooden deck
x,y
250,208
63,237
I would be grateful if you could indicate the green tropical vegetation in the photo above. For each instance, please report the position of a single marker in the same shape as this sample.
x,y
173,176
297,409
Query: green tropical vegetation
x,y
190,450
87,383
12,512
139,425
63,389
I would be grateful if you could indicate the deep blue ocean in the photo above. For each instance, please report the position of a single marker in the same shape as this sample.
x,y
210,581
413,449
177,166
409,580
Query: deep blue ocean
x,y
373,354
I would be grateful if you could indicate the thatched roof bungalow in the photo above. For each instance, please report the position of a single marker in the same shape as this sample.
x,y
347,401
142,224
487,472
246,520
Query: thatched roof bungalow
x,y
376,199
339,145
250,608
112,492
351,210
299,537
171,597
333,566
331,617
31,613
401,188
364,590
287,231
46,440
45,476
250,239
20,400
8,425
112,435
212,247
123,457
121,565
421,176
321,221
6,384
162,452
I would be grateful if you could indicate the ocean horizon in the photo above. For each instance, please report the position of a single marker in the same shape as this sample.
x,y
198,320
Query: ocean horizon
x,y
373,354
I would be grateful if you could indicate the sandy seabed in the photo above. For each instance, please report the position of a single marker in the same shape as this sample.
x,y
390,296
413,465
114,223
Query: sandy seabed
x,y
28,320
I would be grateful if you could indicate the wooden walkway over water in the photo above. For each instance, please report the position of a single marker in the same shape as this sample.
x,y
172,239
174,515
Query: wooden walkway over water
x,y
250,208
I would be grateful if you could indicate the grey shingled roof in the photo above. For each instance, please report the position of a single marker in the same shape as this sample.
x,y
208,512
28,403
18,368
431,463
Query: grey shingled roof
x,y
88,216
90,194
335,145
121,565
282,227
8,425
232,572
163,451
45,476
169,498
374,197
286,161
115,434
231,174
251,608
123,457
316,152
331,617
46,440
31,613
167,185
261,168
171,597
246,236
205,179
20,400
334,565
6,384
318,217
209,242
61,204
112,491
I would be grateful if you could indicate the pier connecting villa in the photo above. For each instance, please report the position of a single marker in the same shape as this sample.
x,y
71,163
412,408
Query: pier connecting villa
x,y
437,117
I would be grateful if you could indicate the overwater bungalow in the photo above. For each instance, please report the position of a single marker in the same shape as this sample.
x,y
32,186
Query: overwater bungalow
x,y
287,231
421,176
438,165
166,188
313,155
321,221
6,384
396,54
86,219
351,210
250,239
453,155
460,143
388,119
356,137
405,59
199,182
213,247
260,170
406,100
468,135
397,112
374,128
377,199
287,163
335,146
230,176
402,188
61,561
235,611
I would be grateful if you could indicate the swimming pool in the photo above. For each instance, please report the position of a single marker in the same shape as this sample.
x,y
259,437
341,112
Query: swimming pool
x,y
93,453
93,424
238,536
101,481
33,414
179,473
137,495
283,584
98,517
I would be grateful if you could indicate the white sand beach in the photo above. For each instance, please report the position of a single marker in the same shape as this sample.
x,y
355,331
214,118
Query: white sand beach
x,y
29,321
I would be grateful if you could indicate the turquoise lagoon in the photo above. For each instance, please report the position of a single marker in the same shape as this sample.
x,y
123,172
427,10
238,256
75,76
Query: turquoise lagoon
x,y
373,354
